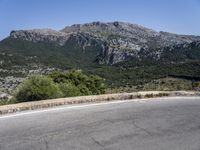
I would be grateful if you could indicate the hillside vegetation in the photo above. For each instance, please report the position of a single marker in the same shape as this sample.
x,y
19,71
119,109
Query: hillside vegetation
x,y
57,85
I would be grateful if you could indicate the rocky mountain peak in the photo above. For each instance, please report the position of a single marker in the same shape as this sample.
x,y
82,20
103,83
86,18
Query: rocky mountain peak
x,y
118,40
41,35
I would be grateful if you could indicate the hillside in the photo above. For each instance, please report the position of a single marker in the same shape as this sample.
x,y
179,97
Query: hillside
x,y
124,54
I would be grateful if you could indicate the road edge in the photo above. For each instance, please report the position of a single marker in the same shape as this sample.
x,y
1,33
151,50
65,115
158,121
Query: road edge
x,y
13,108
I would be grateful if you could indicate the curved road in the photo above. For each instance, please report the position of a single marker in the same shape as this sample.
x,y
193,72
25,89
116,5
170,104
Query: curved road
x,y
155,124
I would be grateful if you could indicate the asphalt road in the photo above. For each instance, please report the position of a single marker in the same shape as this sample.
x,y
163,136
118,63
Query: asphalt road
x,y
156,124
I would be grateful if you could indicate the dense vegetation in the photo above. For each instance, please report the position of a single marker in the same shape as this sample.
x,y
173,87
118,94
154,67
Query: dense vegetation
x,y
129,75
87,84
56,85
18,52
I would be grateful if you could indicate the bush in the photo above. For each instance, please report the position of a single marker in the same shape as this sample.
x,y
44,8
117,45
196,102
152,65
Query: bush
x,y
84,89
75,77
37,88
96,84
87,85
69,90
57,84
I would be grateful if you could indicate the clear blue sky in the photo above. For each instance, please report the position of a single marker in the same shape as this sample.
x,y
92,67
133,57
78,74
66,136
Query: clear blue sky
x,y
179,16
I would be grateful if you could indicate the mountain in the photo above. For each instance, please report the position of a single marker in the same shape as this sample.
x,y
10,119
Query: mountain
x,y
118,41
98,47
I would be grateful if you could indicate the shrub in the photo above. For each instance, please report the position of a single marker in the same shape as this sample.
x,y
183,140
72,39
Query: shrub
x,y
96,84
84,89
87,84
56,85
75,77
58,77
37,88
69,90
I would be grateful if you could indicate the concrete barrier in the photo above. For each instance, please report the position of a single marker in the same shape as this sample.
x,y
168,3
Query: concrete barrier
x,y
6,109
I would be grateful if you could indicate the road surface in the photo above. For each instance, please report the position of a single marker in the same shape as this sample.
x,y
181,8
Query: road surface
x,y
155,124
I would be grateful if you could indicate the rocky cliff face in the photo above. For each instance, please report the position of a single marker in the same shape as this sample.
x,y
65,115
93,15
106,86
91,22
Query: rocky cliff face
x,y
41,35
118,41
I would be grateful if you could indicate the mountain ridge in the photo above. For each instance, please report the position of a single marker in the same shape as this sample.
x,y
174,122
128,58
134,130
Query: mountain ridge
x,y
118,40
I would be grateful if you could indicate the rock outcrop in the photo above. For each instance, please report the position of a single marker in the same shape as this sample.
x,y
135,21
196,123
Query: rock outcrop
x,y
118,40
